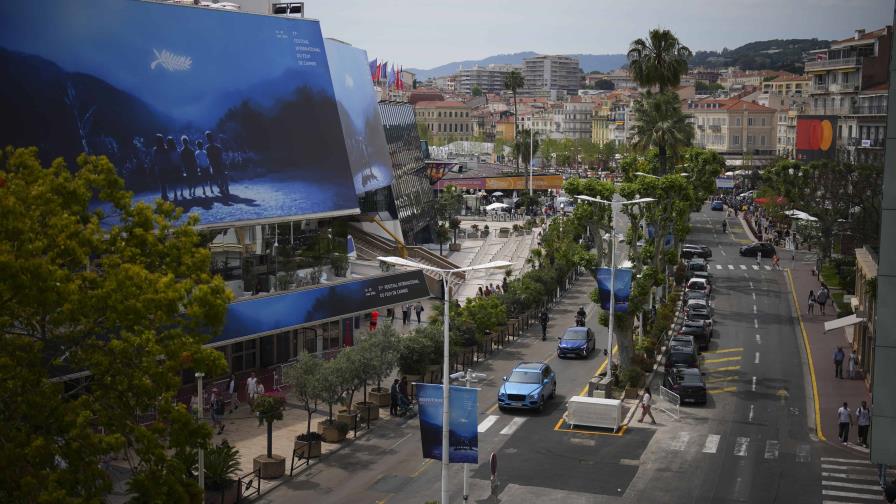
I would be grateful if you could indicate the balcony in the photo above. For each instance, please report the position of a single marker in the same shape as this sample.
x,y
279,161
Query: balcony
x,y
869,110
715,127
866,143
831,64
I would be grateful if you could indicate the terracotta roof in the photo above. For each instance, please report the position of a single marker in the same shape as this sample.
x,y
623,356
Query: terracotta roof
x,y
867,36
441,104
791,77
732,104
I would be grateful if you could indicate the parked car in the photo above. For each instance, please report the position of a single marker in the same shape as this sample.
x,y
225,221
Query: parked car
x,y
689,251
696,315
700,335
681,355
766,249
695,294
687,383
576,342
699,284
694,266
528,386
705,275
717,205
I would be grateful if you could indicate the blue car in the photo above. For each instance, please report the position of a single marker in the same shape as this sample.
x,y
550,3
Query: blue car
x,y
529,385
576,342
717,206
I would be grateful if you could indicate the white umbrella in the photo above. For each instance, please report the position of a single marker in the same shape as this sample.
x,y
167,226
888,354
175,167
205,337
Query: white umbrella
x,y
796,214
495,206
497,193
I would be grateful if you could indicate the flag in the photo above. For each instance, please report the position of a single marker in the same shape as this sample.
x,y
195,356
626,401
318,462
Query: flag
x,y
463,435
384,71
623,288
390,77
373,69
400,81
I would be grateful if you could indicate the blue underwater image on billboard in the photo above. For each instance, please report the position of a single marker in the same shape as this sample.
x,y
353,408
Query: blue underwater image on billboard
x,y
229,115
362,127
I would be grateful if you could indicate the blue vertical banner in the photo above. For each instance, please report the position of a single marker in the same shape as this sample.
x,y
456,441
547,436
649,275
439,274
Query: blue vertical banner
x,y
463,436
623,288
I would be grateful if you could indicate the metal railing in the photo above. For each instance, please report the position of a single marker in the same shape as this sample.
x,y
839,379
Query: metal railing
x,y
833,63
249,485
669,402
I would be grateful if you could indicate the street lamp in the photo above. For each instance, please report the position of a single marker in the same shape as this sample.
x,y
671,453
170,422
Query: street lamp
x,y
469,376
614,205
531,161
199,377
446,278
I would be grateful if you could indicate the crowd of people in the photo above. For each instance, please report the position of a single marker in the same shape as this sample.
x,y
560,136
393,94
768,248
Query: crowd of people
x,y
189,167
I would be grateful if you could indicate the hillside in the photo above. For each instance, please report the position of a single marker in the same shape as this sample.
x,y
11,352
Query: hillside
x,y
777,54
588,62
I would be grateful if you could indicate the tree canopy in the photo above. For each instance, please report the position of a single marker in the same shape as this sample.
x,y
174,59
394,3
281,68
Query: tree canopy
x,y
660,124
127,303
660,60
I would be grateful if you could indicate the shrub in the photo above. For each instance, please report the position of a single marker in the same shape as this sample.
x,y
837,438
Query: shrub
x,y
632,377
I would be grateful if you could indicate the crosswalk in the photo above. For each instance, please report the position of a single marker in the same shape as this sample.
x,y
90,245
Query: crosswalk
x,y
849,481
508,424
745,267
739,446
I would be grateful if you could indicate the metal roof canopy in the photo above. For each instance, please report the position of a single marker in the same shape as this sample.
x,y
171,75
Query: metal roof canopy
x,y
842,322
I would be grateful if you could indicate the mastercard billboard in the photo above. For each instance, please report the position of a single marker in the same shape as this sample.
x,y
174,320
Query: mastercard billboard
x,y
816,137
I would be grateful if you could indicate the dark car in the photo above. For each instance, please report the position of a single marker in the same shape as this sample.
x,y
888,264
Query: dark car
x,y
695,323
695,294
717,205
700,335
576,342
695,265
687,383
766,249
681,355
706,275
690,251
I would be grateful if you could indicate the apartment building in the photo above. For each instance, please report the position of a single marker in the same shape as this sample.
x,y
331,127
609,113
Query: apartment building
x,y
850,80
621,79
734,128
489,79
446,120
575,120
789,85
785,145
549,73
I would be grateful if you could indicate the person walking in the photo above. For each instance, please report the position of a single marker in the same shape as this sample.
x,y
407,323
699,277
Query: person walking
x,y
844,418
852,365
393,398
374,317
403,391
758,258
251,388
391,313
405,314
811,301
646,403
418,309
216,406
863,420
544,318
838,362
233,392
776,262
822,299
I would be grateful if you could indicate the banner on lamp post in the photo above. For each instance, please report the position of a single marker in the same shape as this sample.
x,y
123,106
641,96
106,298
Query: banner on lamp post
x,y
463,436
622,288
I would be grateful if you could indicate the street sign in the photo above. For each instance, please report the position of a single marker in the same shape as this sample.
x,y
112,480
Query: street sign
x,y
724,182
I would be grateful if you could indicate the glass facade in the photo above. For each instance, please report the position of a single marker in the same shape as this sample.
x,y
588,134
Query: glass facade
x,y
412,193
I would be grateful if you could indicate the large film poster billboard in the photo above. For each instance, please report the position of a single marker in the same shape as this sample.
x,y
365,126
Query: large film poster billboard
x,y
230,115
362,127
816,137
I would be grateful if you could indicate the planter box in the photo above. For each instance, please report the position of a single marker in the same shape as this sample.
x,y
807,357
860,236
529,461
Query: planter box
x,y
369,408
270,468
454,247
308,449
380,397
228,495
348,416
329,432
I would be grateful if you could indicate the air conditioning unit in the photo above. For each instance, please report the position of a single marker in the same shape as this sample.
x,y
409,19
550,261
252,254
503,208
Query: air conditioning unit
x,y
290,9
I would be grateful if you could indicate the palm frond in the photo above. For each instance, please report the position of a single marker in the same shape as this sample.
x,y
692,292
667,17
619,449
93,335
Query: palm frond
x,y
171,62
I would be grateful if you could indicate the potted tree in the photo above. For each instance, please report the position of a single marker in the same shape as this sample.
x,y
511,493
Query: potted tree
x,y
454,225
222,464
353,380
332,385
269,409
414,355
304,377
377,363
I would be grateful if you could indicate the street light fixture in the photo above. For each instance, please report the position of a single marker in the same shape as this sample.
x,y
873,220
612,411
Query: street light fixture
x,y
614,205
201,462
445,274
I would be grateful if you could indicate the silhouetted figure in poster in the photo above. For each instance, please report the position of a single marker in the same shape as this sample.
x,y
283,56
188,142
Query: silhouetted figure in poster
x,y
191,169
176,175
205,170
216,160
160,164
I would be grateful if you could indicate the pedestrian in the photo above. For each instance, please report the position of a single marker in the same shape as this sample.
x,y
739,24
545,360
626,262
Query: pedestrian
x,y
852,365
776,261
646,401
374,317
216,406
844,418
418,309
403,390
481,293
393,398
822,298
487,292
863,420
405,314
251,387
838,362
758,258
233,392
391,315
811,301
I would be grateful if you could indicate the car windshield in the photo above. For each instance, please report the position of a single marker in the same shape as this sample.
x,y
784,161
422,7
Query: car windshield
x,y
697,286
525,377
690,379
698,315
575,334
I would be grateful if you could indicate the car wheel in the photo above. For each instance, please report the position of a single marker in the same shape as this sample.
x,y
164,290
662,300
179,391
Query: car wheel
x,y
541,405
502,408
553,391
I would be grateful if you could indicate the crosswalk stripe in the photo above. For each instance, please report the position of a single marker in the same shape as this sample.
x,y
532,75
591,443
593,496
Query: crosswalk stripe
x,y
680,441
851,461
513,425
743,267
740,446
850,485
771,449
835,502
803,453
731,266
849,468
852,477
712,443
755,267
488,422
718,266
853,495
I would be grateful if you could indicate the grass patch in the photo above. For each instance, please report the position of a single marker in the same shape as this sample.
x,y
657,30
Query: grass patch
x,y
829,273
842,308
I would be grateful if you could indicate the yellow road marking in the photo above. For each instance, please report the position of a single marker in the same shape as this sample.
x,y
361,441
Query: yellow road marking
x,y
721,359
729,368
726,350
595,433
799,316
717,380
492,409
721,390
422,467
585,389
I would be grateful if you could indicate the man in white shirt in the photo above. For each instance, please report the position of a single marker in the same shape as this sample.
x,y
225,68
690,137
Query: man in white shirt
x,y
646,402
251,387
844,418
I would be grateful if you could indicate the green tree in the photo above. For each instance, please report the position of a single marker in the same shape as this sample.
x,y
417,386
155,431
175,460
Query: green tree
x,y
476,91
521,147
450,203
423,131
660,123
129,301
659,61
443,234
512,82
304,379
269,409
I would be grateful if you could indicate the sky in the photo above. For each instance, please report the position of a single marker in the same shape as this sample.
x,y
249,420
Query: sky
x,y
427,33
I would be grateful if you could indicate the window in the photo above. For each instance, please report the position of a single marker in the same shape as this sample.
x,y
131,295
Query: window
x,y
839,132
737,121
750,139
762,121
845,77
762,140
849,131
749,121
735,140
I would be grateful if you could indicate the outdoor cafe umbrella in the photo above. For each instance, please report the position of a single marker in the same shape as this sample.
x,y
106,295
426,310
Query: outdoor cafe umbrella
x,y
497,193
496,206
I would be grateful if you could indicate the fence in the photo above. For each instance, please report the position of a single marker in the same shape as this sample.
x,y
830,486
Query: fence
x,y
669,402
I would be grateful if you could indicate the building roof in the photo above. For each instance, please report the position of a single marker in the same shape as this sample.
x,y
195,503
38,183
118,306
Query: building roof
x,y
791,78
424,94
735,104
440,104
867,36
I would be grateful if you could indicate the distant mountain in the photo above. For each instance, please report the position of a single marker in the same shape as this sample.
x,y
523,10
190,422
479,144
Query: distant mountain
x,y
588,62
777,54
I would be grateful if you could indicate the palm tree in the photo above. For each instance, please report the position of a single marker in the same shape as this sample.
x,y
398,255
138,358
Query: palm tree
x,y
660,123
660,60
513,81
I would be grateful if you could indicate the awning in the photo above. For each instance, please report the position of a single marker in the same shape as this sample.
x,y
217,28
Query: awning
x,y
842,322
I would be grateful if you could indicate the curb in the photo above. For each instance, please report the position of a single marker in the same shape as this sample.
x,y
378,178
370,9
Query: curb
x,y
675,323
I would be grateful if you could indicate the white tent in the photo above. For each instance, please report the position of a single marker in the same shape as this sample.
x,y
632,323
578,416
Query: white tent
x,y
496,206
799,215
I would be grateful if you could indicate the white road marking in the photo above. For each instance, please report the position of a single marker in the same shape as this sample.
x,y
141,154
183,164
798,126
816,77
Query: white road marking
x,y
756,267
849,476
834,466
853,495
754,384
513,425
723,251
803,453
488,422
768,268
771,449
851,461
712,443
754,296
718,266
751,414
757,358
754,308
743,267
756,323
680,441
751,285
730,266
851,485
758,340
740,446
